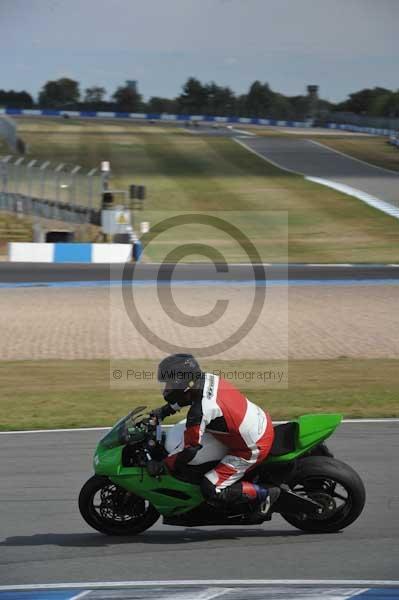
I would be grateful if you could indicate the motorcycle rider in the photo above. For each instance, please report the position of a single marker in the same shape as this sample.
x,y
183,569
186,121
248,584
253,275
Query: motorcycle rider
x,y
219,408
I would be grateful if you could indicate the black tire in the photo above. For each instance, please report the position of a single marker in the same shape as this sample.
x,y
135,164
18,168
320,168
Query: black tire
x,y
310,474
109,517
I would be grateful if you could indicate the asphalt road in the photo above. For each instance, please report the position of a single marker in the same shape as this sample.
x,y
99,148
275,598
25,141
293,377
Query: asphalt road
x,y
316,160
43,538
51,272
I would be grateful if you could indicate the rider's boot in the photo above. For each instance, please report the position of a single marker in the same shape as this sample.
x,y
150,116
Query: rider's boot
x,y
263,500
272,496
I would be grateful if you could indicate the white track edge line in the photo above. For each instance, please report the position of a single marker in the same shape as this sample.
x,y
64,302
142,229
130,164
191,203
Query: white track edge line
x,y
212,593
71,430
381,205
198,582
85,593
246,133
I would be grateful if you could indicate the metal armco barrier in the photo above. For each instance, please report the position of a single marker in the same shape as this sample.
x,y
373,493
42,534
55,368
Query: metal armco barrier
x,y
359,128
153,117
190,118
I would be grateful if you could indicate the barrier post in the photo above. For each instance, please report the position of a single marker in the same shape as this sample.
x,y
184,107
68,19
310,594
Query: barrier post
x,y
137,250
74,173
90,175
43,168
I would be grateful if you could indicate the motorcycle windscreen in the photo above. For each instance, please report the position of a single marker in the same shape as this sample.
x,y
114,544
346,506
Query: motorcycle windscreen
x,y
211,449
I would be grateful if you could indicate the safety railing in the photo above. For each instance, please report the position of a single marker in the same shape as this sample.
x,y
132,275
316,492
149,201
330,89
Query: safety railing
x,y
50,190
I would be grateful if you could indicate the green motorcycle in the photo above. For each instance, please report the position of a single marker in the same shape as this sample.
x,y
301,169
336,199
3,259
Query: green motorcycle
x,y
318,492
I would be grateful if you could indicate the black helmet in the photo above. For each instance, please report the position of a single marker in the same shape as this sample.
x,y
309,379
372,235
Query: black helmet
x,y
180,373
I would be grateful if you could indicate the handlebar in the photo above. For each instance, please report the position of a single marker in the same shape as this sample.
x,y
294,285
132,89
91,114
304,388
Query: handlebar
x,y
150,424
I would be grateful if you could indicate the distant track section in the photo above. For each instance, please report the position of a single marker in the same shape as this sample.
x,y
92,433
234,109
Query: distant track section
x,y
316,160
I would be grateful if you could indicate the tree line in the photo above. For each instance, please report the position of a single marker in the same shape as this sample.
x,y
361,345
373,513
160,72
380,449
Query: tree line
x,y
199,98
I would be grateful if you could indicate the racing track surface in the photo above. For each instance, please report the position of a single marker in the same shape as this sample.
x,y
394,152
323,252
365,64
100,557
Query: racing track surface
x,y
316,160
20,273
43,539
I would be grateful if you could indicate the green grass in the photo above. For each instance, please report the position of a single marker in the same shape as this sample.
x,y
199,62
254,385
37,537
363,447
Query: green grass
x,y
14,229
189,172
51,394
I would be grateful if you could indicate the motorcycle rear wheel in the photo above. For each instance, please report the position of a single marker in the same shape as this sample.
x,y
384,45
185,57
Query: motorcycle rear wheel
x,y
334,484
113,510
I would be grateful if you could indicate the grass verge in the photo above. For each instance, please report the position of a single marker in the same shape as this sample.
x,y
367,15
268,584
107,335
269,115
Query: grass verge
x,y
210,174
52,394
14,229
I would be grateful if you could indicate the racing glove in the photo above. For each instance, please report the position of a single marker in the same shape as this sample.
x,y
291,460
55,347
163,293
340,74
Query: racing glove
x,y
155,468
162,412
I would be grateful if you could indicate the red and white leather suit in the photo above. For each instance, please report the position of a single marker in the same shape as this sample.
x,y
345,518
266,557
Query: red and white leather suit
x,y
244,428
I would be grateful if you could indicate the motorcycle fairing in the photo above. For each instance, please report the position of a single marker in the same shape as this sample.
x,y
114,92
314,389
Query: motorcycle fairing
x,y
172,496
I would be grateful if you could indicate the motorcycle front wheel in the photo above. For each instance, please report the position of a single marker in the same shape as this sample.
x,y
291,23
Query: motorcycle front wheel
x,y
113,510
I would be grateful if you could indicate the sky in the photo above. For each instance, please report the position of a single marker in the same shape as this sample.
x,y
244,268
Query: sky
x,y
341,45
